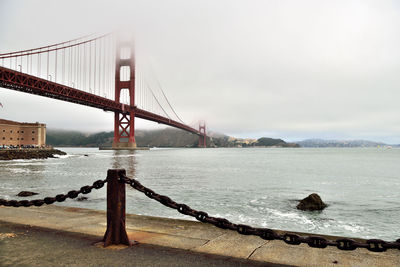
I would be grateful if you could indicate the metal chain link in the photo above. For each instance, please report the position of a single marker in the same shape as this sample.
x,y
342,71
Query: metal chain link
x,y
50,200
375,245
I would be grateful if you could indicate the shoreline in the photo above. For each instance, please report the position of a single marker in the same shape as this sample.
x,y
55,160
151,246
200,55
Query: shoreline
x,y
29,153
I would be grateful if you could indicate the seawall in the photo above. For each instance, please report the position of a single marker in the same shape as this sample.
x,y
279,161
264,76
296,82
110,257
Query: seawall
x,y
195,237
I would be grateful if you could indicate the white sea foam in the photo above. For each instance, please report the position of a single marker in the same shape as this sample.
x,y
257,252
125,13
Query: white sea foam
x,y
352,227
19,170
13,161
64,156
40,163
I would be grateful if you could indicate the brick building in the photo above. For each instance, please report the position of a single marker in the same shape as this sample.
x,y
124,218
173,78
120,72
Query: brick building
x,y
22,133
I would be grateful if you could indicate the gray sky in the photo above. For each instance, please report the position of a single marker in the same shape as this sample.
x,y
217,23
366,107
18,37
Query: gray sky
x,y
289,69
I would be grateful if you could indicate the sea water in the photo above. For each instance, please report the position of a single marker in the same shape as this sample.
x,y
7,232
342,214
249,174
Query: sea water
x,y
256,186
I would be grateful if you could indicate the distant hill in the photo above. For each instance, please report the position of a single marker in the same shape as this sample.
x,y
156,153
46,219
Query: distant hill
x,y
75,138
167,137
159,138
339,143
267,142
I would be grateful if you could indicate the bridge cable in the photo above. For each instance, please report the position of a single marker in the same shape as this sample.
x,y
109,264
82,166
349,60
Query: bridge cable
x,y
7,55
162,91
47,46
148,87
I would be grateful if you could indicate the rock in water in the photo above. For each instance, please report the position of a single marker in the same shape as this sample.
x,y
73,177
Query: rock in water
x,y
26,194
30,153
312,202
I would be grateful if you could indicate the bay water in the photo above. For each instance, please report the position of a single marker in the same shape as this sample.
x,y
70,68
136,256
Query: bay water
x,y
256,186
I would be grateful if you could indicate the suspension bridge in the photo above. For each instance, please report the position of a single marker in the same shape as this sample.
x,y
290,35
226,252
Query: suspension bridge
x,y
98,71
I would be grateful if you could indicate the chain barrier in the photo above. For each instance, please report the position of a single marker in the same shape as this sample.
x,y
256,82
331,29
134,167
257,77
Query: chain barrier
x,y
50,200
375,245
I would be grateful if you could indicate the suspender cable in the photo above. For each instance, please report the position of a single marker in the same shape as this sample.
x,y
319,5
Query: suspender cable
x,y
70,67
84,67
30,66
99,67
90,65
63,66
48,59
104,67
95,54
27,64
106,44
78,66
39,64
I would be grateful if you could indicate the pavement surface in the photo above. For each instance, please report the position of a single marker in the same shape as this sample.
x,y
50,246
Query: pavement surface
x,y
23,245
55,235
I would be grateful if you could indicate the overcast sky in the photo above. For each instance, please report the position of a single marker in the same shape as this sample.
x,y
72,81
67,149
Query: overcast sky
x,y
288,69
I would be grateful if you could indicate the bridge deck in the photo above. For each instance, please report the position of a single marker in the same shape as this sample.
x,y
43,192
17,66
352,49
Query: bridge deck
x,y
22,82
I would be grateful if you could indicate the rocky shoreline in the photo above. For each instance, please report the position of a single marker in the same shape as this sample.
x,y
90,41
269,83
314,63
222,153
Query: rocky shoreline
x,y
10,154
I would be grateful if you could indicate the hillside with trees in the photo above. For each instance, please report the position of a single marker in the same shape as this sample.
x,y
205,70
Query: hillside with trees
x,y
167,137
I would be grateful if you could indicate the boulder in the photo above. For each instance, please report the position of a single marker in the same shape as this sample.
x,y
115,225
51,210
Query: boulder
x,y
29,153
81,198
26,194
312,202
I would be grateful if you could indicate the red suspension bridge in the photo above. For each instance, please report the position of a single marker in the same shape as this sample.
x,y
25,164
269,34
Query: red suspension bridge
x,y
95,71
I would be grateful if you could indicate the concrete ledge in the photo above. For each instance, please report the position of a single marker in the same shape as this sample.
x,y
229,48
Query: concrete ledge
x,y
196,237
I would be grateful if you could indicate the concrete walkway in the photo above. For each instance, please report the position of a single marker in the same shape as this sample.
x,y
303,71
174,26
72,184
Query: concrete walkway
x,y
162,242
31,246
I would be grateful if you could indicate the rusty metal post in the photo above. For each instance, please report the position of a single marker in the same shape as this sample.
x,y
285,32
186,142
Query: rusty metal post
x,y
116,232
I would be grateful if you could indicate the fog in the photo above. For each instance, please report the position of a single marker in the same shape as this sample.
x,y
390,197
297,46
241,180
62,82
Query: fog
x,y
287,69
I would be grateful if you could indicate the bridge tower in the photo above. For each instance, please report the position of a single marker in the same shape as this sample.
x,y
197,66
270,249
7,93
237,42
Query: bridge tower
x,y
124,123
203,136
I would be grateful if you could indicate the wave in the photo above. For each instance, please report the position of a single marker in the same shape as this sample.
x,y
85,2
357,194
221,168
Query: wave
x,y
20,170
30,163
351,227
64,156
16,161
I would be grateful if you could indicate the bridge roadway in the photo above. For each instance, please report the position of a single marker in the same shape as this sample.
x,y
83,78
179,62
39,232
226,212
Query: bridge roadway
x,y
59,235
22,82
